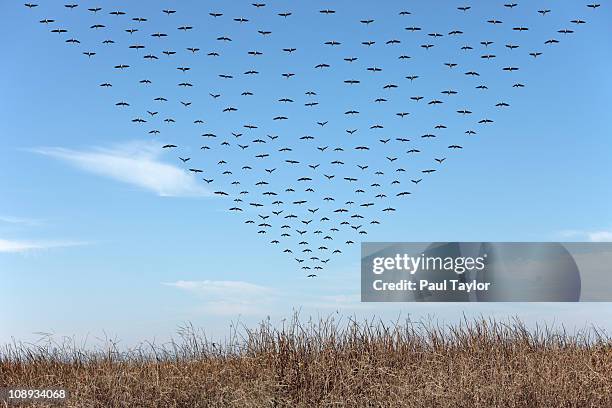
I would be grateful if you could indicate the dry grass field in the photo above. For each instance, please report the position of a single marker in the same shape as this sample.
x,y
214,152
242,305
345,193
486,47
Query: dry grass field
x,y
331,364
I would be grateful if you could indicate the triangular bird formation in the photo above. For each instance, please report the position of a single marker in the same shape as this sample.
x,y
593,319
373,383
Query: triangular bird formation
x,y
313,142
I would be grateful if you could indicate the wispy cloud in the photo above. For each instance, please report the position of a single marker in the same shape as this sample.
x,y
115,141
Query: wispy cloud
x,y
15,246
228,297
232,298
28,222
136,163
592,236
223,288
600,236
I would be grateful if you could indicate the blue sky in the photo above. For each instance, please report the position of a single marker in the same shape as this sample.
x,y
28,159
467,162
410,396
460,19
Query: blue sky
x,y
101,229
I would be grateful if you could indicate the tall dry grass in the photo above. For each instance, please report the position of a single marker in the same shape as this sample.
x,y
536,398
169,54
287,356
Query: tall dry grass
x,y
328,363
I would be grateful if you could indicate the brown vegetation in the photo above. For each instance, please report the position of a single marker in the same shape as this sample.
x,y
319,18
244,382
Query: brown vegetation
x,y
329,363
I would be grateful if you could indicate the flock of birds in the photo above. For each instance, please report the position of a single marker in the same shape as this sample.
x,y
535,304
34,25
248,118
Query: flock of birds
x,y
313,165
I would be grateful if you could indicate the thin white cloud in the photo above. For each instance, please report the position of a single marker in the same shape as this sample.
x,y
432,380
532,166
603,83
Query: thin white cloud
x,y
7,219
220,288
600,236
135,163
13,246
229,298
592,236
232,298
